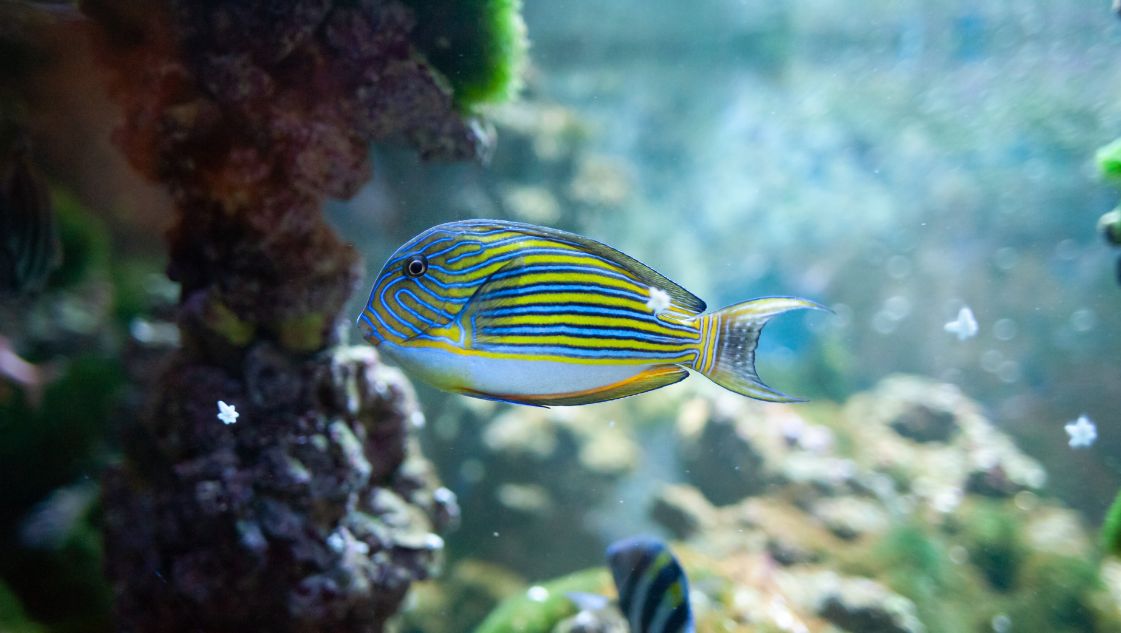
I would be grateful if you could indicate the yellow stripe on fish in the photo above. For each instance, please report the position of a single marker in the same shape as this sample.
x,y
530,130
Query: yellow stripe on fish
x,y
534,315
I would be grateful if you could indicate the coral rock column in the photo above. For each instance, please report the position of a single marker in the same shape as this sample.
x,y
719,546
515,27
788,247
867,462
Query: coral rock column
x,y
314,510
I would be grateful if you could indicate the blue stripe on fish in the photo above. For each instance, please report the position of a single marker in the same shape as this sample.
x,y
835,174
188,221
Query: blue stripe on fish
x,y
617,333
561,349
588,309
552,288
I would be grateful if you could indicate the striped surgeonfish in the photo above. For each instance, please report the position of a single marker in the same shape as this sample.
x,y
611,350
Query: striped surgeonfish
x,y
653,589
533,315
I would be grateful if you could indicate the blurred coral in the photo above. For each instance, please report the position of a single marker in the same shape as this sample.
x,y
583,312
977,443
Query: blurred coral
x,y
862,516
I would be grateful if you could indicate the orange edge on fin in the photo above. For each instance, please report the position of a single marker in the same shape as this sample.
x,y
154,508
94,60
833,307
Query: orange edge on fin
x,y
653,378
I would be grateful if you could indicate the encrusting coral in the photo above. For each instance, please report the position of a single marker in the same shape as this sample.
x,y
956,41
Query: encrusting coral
x,y
312,510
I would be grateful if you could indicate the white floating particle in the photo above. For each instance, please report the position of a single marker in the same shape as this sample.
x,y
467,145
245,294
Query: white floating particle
x,y
227,413
1083,432
537,593
965,326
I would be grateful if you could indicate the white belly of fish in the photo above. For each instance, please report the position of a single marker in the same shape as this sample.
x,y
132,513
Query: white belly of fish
x,y
506,376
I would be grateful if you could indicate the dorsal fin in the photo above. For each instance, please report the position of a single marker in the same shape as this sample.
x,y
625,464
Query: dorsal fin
x,y
645,274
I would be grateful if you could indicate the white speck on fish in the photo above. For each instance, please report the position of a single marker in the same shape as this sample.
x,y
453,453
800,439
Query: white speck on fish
x,y
227,413
1083,432
965,326
659,300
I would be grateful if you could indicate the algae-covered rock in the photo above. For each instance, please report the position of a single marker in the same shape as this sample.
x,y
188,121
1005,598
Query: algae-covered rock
x,y
908,485
542,607
859,517
972,455
682,510
868,607
461,599
850,517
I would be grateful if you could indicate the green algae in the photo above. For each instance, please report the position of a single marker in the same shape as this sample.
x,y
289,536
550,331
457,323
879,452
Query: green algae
x,y
1108,158
479,45
61,579
917,564
12,616
994,540
61,441
1111,528
471,590
522,614
224,322
84,241
1061,599
51,445
303,333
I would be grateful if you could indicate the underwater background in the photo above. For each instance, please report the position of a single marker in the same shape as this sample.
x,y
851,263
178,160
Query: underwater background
x,y
226,179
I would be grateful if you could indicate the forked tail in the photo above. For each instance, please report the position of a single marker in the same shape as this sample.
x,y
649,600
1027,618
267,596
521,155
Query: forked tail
x,y
728,340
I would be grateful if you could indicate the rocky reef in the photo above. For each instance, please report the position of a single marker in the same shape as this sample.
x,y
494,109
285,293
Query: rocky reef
x,y
903,510
312,508
292,520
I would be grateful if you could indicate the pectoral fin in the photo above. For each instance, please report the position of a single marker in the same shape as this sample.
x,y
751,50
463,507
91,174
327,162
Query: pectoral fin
x,y
653,378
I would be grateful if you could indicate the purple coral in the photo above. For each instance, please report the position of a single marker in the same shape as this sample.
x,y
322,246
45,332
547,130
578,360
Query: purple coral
x,y
315,511
316,516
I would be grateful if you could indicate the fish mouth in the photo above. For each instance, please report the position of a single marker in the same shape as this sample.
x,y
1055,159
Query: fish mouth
x,y
377,337
370,332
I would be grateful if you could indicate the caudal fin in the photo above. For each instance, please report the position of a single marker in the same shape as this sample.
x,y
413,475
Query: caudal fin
x,y
728,340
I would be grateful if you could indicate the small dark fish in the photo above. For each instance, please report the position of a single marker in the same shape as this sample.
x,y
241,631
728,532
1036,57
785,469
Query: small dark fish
x,y
653,589
29,243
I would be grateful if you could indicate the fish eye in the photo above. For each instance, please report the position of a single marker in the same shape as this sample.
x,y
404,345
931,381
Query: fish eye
x,y
416,266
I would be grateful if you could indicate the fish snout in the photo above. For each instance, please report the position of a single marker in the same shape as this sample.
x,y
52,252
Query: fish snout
x,y
369,332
